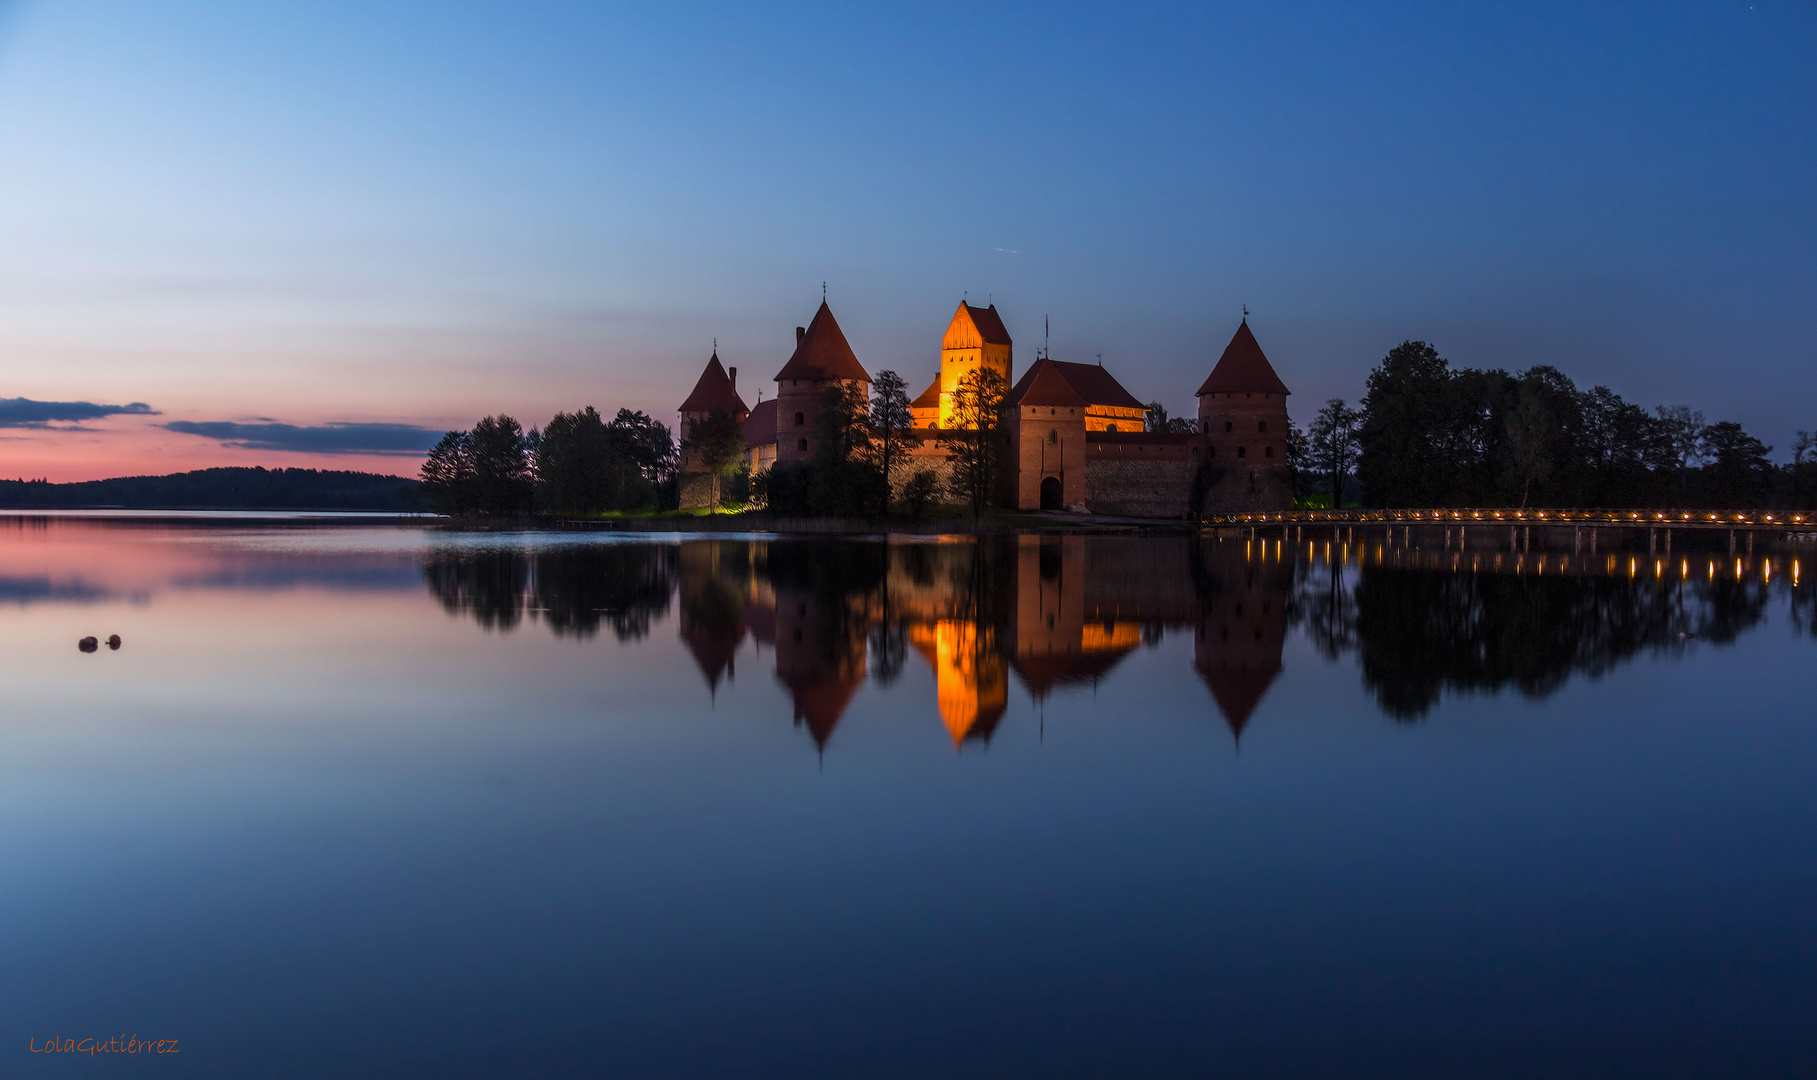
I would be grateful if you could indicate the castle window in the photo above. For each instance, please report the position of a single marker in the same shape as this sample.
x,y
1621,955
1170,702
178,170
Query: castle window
x,y
1053,412
1211,451
1269,452
1242,451
1053,436
801,445
800,419
1261,425
1228,426
1205,427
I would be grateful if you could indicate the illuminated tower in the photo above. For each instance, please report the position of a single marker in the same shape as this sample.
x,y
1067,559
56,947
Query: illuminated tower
x,y
974,338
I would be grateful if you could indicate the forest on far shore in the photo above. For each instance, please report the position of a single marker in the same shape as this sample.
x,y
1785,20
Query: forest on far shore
x,y
220,489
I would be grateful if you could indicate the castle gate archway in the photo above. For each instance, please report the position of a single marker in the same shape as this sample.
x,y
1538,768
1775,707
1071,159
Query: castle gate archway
x,y
1050,493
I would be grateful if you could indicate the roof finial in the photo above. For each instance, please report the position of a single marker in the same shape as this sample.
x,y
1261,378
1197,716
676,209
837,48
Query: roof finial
x,y
1100,359
965,297
1245,312
823,294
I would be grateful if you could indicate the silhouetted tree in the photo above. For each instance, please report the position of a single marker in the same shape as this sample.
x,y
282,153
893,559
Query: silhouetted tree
x,y
975,443
843,479
1333,445
447,474
1403,460
1155,419
503,481
1804,457
919,491
891,420
1684,432
1739,474
647,443
579,467
717,443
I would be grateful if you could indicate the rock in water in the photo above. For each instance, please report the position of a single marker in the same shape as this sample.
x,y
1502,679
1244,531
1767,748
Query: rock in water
x,y
88,644
113,641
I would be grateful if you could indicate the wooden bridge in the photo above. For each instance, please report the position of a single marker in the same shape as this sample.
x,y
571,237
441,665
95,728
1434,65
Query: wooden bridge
x,y
1633,519
1511,529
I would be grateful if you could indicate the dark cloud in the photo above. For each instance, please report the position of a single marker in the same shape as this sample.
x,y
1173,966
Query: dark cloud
x,y
401,439
25,413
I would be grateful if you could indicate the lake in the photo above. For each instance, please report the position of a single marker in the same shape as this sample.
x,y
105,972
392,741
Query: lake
x,y
356,799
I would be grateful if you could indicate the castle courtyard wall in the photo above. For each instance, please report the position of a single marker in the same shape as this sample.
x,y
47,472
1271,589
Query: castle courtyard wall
x,y
1133,487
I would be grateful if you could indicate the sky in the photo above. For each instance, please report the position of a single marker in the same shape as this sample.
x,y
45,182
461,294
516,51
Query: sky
x,y
320,234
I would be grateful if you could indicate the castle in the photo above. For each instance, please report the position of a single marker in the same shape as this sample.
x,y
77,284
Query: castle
x,y
1076,437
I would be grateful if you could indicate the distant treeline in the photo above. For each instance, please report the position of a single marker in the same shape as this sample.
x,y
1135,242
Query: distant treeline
x,y
579,463
221,489
1428,434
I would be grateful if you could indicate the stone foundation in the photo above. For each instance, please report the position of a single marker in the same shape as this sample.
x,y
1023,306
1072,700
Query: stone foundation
x,y
1239,488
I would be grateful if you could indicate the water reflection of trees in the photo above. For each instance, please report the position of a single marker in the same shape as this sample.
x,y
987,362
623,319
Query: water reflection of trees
x,y
491,585
574,589
1060,613
1419,633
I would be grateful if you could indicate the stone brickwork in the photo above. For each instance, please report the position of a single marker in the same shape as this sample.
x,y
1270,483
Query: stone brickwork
x,y
696,491
1236,487
1132,487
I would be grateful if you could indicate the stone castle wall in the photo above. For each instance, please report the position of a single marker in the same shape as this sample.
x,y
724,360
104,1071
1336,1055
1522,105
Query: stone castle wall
x,y
1135,488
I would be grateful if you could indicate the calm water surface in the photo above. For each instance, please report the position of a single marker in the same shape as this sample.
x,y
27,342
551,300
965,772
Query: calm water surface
x,y
392,801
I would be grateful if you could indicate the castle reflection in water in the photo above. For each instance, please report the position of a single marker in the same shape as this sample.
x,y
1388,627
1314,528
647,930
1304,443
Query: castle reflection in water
x,y
1053,613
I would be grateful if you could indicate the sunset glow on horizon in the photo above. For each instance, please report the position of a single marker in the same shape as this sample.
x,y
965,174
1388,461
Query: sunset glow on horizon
x,y
319,237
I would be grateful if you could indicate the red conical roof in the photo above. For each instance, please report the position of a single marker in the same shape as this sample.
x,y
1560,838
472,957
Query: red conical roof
x,y
714,391
1043,384
1238,690
822,353
1243,369
989,323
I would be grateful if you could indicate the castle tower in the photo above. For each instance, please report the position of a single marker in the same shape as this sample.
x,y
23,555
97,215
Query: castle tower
x,y
715,391
822,358
975,338
1243,422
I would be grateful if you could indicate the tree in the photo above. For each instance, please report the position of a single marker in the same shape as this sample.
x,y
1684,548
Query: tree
x,y
1684,433
1155,418
1402,460
891,419
1299,453
579,467
1543,436
1332,445
1804,453
503,481
717,443
974,444
648,449
844,423
447,473
920,490
1739,471
843,479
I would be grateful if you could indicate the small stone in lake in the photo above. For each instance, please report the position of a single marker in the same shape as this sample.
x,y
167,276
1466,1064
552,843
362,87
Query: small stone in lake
x,y
113,641
88,644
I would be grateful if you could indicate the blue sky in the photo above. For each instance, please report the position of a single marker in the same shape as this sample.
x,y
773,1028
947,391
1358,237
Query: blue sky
x,y
379,214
